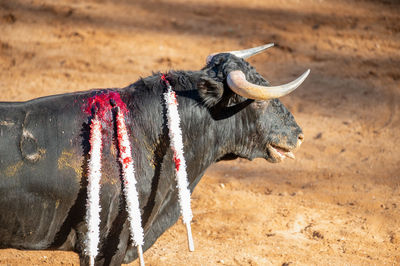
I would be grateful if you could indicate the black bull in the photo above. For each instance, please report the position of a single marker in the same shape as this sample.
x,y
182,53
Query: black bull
x,y
44,145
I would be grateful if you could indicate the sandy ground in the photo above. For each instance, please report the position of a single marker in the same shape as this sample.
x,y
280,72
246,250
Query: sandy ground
x,y
338,203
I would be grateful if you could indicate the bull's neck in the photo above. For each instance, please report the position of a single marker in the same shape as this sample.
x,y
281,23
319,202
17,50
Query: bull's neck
x,y
206,140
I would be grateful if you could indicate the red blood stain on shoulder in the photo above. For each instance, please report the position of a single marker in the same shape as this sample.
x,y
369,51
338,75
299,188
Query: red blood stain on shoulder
x,y
101,102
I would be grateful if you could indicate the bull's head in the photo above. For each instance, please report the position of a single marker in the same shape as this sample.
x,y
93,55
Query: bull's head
x,y
232,84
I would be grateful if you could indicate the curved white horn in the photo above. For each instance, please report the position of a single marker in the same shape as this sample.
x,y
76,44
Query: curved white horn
x,y
237,82
252,51
246,53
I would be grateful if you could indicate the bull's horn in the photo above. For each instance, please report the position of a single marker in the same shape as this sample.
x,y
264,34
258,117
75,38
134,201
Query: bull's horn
x,y
246,53
238,83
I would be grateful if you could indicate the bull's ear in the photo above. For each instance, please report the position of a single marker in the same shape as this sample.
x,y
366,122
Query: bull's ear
x,y
210,91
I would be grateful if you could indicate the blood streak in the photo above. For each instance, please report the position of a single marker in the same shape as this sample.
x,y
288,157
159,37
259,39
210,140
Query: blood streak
x,y
128,176
122,148
123,143
93,199
100,107
126,161
101,104
175,135
177,163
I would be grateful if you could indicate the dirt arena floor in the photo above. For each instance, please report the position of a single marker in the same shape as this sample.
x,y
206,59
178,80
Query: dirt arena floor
x,y
338,203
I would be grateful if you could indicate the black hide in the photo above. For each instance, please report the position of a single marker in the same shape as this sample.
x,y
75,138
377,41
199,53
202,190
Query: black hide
x,y
44,145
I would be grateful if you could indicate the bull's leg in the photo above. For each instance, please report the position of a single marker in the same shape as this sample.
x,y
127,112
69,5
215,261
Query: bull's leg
x,y
115,249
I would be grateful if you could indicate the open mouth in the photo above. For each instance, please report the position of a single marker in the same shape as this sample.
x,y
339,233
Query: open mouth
x,y
280,152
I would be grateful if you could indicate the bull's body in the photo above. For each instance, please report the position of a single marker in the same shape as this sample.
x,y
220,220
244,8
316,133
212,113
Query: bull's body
x,y
43,167
44,145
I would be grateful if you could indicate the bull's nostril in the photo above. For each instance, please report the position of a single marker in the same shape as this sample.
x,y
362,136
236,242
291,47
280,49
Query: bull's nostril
x,y
301,137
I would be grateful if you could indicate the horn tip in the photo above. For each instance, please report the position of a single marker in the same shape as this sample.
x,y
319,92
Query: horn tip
x,y
266,46
303,76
